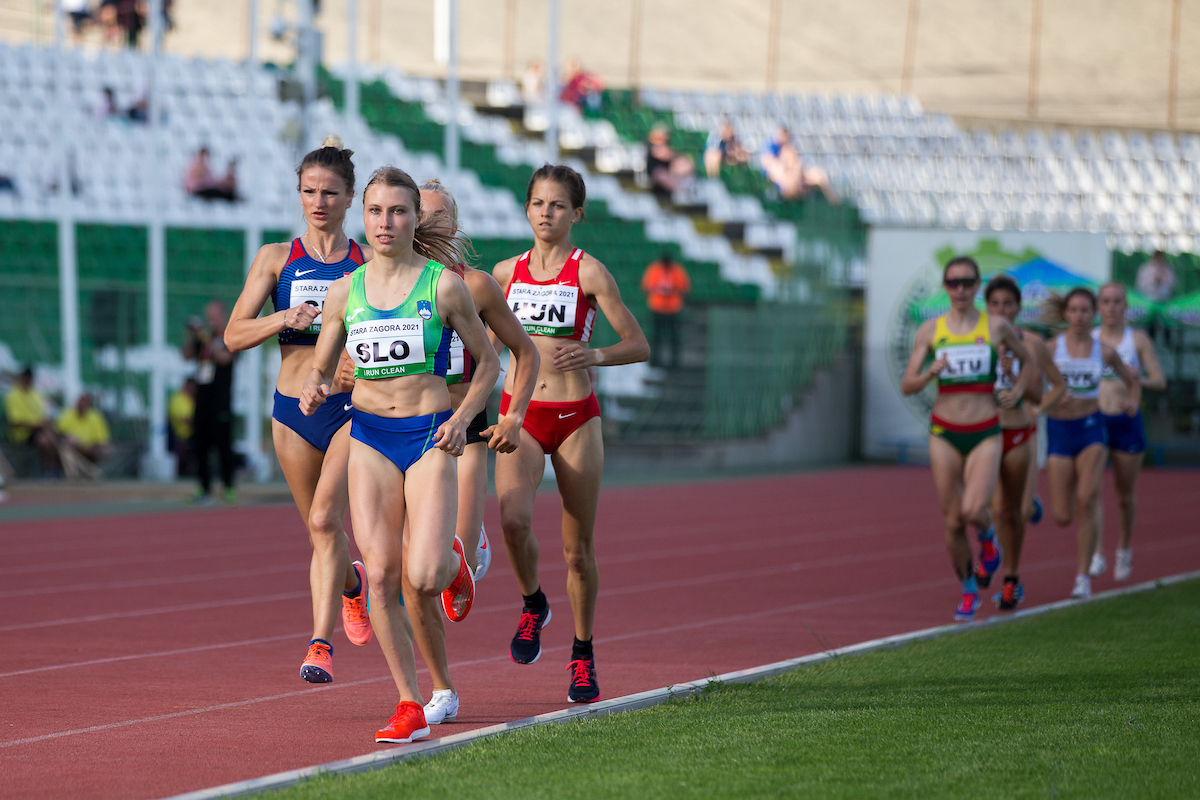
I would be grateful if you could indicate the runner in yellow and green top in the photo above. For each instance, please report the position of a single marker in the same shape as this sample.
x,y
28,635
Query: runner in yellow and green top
x,y
959,351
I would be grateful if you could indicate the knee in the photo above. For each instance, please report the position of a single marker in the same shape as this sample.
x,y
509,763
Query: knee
x,y
580,558
424,579
383,580
323,523
515,525
1127,502
1086,500
1063,516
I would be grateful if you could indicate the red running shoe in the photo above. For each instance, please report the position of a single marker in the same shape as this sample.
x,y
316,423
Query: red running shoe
x,y
459,595
318,664
354,611
406,725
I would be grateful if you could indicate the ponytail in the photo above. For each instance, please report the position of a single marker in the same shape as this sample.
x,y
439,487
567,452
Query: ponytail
x,y
1054,307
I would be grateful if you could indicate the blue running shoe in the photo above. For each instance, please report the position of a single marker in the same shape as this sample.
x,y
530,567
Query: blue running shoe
x,y
1037,511
990,556
966,609
1011,595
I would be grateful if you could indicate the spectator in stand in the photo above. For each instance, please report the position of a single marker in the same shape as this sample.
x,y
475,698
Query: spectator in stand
x,y
29,423
580,88
669,170
213,418
723,148
122,19
181,411
199,180
665,283
1156,278
84,429
533,90
81,14
781,163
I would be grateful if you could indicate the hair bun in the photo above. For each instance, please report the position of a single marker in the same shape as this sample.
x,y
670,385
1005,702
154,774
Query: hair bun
x,y
335,141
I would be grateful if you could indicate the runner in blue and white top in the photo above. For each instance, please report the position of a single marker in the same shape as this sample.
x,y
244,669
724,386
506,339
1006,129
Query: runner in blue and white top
x,y
1126,435
1074,429
312,451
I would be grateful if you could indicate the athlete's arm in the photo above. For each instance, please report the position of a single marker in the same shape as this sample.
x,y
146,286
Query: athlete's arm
x,y
914,379
246,328
330,344
504,326
1155,379
1134,397
457,310
1011,338
1058,384
1035,387
596,281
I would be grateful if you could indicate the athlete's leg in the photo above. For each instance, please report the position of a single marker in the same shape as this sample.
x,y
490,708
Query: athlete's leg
x,y
431,499
578,467
1061,471
1031,479
429,628
1007,504
377,497
1126,468
327,522
518,476
946,463
472,497
1089,466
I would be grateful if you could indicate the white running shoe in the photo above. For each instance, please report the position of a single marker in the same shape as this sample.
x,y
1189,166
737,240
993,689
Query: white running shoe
x,y
443,706
1098,566
1083,588
483,555
1124,565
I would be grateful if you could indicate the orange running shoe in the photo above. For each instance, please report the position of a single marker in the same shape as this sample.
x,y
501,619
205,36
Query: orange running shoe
x,y
406,725
459,595
354,610
318,665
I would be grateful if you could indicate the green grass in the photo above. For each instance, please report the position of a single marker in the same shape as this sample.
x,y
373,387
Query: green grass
x,y
1100,700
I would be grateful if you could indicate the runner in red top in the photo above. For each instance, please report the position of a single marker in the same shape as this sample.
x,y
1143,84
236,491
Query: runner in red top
x,y
554,290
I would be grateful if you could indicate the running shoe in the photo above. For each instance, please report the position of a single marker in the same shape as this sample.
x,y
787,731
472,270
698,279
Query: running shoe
x,y
318,664
1098,566
1124,566
355,619
1083,588
584,688
202,498
990,556
1037,510
966,609
442,707
406,725
230,496
483,555
526,646
1008,598
459,595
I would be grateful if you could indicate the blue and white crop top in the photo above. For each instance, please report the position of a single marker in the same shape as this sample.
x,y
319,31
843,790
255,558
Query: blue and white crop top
x,y
1127,350
1082,375
305,279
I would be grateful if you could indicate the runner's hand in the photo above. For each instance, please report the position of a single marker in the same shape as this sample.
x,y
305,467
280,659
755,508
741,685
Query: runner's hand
x,y
1130,408
504,436
343,379
312,396
937,366
1007,398
570,357
451,436
301,316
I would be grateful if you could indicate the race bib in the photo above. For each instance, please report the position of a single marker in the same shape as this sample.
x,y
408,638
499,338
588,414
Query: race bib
x,y
457,362
311,292
1080,374
544,310
386,348
965,361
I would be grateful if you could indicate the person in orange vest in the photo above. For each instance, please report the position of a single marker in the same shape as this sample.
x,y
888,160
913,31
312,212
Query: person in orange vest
x,y
665,282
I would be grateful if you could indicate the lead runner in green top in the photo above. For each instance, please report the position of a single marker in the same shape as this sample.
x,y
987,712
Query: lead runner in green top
x,y
394,316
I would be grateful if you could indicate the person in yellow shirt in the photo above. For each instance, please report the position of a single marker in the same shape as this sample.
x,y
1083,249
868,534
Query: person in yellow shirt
x,y
85,430
28,422
181,411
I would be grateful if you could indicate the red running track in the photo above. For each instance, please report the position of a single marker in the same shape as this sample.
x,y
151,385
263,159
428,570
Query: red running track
x,y
149,655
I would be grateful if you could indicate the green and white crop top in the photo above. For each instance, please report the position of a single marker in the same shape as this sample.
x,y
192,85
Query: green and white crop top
x,y
410,339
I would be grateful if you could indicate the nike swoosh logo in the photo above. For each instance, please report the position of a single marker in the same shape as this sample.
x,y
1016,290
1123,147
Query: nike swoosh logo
x,y
357,311
348,406
305,272
564,416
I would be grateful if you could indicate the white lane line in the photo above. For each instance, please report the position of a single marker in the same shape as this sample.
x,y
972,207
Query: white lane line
x,y
51,565
159,580
633,702
146,612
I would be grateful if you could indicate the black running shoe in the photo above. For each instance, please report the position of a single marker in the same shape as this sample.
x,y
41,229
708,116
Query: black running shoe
x,y
584,688
526,646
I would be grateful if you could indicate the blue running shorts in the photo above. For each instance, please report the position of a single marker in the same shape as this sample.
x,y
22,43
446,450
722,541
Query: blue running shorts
x,y
1070,437
317,430
402,439
1125,434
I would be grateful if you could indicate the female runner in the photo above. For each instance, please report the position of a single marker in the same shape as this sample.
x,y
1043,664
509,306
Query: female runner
x,y
1074,428
311,450
438,208
964,429
1125,434
1012,503
555,290
395,317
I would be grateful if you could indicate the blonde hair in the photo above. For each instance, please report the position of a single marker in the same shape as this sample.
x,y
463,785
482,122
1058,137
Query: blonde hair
x,y
437,187
429,239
